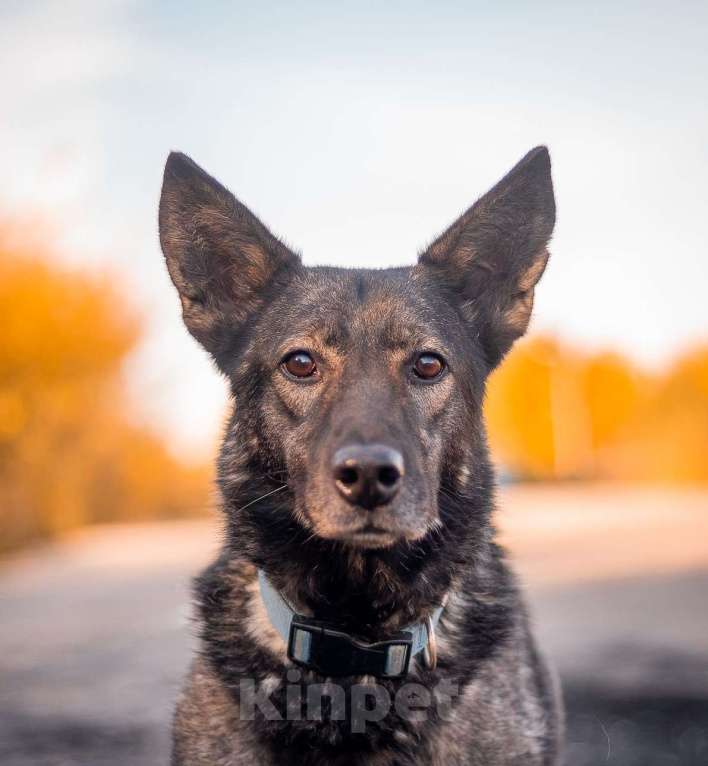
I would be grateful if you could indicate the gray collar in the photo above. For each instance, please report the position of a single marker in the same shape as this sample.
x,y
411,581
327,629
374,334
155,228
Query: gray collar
x,y
330,651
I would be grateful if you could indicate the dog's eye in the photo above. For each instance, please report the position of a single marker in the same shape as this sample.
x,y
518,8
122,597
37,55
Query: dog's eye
x,y
300,364
428,366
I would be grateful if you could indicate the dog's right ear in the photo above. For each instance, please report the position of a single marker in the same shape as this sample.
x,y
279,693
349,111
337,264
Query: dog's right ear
x,y
223,261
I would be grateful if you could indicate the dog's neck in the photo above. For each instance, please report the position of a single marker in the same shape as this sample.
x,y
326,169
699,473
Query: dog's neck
x,y
364,590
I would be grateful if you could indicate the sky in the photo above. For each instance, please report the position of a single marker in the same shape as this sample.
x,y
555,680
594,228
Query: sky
x,y
358,131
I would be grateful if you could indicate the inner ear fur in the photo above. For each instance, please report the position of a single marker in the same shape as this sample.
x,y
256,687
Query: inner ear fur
x,y
223,261
494,254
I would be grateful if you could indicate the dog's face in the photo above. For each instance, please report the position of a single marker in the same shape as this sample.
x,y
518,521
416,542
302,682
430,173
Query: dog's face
x,y
360,389
363,380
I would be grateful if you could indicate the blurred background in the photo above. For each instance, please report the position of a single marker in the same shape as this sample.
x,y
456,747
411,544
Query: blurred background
x,y
357,132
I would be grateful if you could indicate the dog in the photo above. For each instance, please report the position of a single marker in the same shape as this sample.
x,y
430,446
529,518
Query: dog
x,y
360,611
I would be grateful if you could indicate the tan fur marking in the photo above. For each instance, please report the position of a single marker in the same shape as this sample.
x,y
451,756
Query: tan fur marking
x,y
260,627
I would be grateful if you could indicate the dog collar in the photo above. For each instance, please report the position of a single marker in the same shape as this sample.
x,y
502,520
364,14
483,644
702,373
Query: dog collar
x,y
321,646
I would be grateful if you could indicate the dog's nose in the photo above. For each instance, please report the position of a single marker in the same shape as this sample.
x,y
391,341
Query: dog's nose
x,y
367,475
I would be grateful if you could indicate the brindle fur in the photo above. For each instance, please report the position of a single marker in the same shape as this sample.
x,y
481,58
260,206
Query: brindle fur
x,y
249,300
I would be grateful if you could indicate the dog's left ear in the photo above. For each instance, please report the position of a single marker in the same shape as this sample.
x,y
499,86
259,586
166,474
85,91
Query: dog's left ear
x,y
492,257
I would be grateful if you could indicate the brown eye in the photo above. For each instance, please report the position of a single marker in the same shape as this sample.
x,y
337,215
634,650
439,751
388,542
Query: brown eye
x,y
300,364
428,366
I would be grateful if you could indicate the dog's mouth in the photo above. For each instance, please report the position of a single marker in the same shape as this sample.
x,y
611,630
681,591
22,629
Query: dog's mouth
x,y
360,528
370,536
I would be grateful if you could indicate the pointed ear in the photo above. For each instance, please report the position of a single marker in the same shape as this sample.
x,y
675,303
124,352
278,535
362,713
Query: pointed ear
x,y
223,261
492,257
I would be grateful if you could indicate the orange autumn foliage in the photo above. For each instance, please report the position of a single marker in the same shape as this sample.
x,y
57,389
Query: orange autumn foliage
x,y
670,438
69,453
519,410
556,413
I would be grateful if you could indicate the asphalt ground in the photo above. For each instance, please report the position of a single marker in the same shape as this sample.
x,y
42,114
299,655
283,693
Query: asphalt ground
x,y
95,630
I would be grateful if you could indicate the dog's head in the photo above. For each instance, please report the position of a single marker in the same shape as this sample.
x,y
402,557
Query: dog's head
x,y
360,390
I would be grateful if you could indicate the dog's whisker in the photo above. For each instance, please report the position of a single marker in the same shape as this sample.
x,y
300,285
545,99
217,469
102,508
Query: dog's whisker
x,y
262,497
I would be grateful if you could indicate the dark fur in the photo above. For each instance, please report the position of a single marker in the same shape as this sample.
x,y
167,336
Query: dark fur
x,y
247,298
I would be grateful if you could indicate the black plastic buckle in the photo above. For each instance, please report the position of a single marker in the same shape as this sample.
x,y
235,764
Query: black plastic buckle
x,y
333,653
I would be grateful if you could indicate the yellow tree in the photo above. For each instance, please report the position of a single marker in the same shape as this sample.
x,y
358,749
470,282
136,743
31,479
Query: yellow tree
x,y
669,439
69,453
536,414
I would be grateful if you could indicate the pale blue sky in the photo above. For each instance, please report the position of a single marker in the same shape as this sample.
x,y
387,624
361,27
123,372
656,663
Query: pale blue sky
x,y
357,132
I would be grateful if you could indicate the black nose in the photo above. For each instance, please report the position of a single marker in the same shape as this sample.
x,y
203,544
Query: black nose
x,y
367,475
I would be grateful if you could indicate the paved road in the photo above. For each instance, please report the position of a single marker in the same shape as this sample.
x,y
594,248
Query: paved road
x,y
95,634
